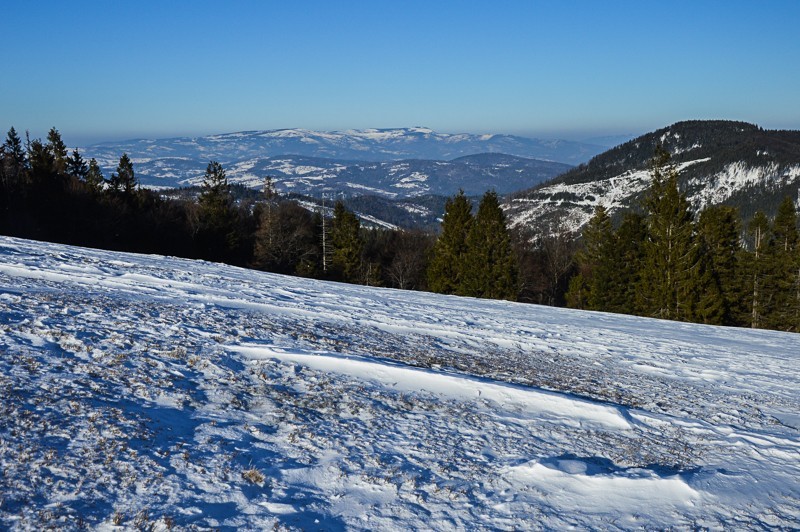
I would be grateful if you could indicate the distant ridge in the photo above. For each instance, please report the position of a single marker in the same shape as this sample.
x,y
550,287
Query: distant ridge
x,y
392,163
360,145
720,161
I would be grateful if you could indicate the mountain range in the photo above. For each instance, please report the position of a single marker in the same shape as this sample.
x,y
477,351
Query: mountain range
x,y
401,176
358,145
406,178
719,162
392,163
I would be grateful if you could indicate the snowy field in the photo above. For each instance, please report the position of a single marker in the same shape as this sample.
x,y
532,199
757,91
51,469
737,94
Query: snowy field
x,y
158,393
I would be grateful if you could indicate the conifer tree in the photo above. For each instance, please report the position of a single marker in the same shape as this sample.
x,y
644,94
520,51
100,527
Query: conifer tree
x,y
782,264
446,268
707,303
490,264
123,181
14,158
94,176
595,262
347,244
216,233
670,251
626,272
718,230
215,198
784,228
42,165
58,150
76,166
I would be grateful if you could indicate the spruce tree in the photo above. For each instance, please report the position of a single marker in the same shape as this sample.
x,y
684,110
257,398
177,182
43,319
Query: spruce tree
x,y
215,198
94,176
123,181
76,166
42,166
596,261
347,244
58,150
627,265
782,266
707,303
718,230
446,268
670,251
577,295
216,234
14,159
490,263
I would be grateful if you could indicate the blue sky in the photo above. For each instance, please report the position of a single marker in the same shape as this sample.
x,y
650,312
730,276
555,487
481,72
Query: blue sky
x,y
573,69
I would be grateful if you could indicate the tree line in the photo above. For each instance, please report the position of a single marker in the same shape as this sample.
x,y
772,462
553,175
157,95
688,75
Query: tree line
x,y
661,260
49,194
708,267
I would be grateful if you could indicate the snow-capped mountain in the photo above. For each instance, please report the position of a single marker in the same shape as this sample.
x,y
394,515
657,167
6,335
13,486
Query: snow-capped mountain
x,y
718,161
389,162
154,393
357,145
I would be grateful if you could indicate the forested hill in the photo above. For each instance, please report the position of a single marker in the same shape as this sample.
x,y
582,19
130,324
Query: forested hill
x,y
720,162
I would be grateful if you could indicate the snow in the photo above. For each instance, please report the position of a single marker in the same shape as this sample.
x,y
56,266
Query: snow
x,y
155,392
573,213
736,177
413,180
455,387
377,222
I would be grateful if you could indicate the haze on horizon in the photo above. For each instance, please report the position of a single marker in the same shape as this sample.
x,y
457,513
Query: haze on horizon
x,y
578,69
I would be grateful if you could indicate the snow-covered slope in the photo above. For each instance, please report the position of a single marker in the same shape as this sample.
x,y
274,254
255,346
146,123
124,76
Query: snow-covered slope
x,y
718,162
157,392
569,206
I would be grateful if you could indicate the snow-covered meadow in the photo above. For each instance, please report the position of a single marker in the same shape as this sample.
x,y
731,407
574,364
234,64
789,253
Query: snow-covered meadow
x,y
152,392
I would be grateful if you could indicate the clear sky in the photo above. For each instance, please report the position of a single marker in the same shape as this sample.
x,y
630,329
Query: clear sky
x,y
109,70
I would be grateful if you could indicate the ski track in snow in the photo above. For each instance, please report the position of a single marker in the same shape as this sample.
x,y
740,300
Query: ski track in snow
x,y
145,391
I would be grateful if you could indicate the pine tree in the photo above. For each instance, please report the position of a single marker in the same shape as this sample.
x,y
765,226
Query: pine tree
x,y
347,244
123,181
446,268
490,264
670,251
